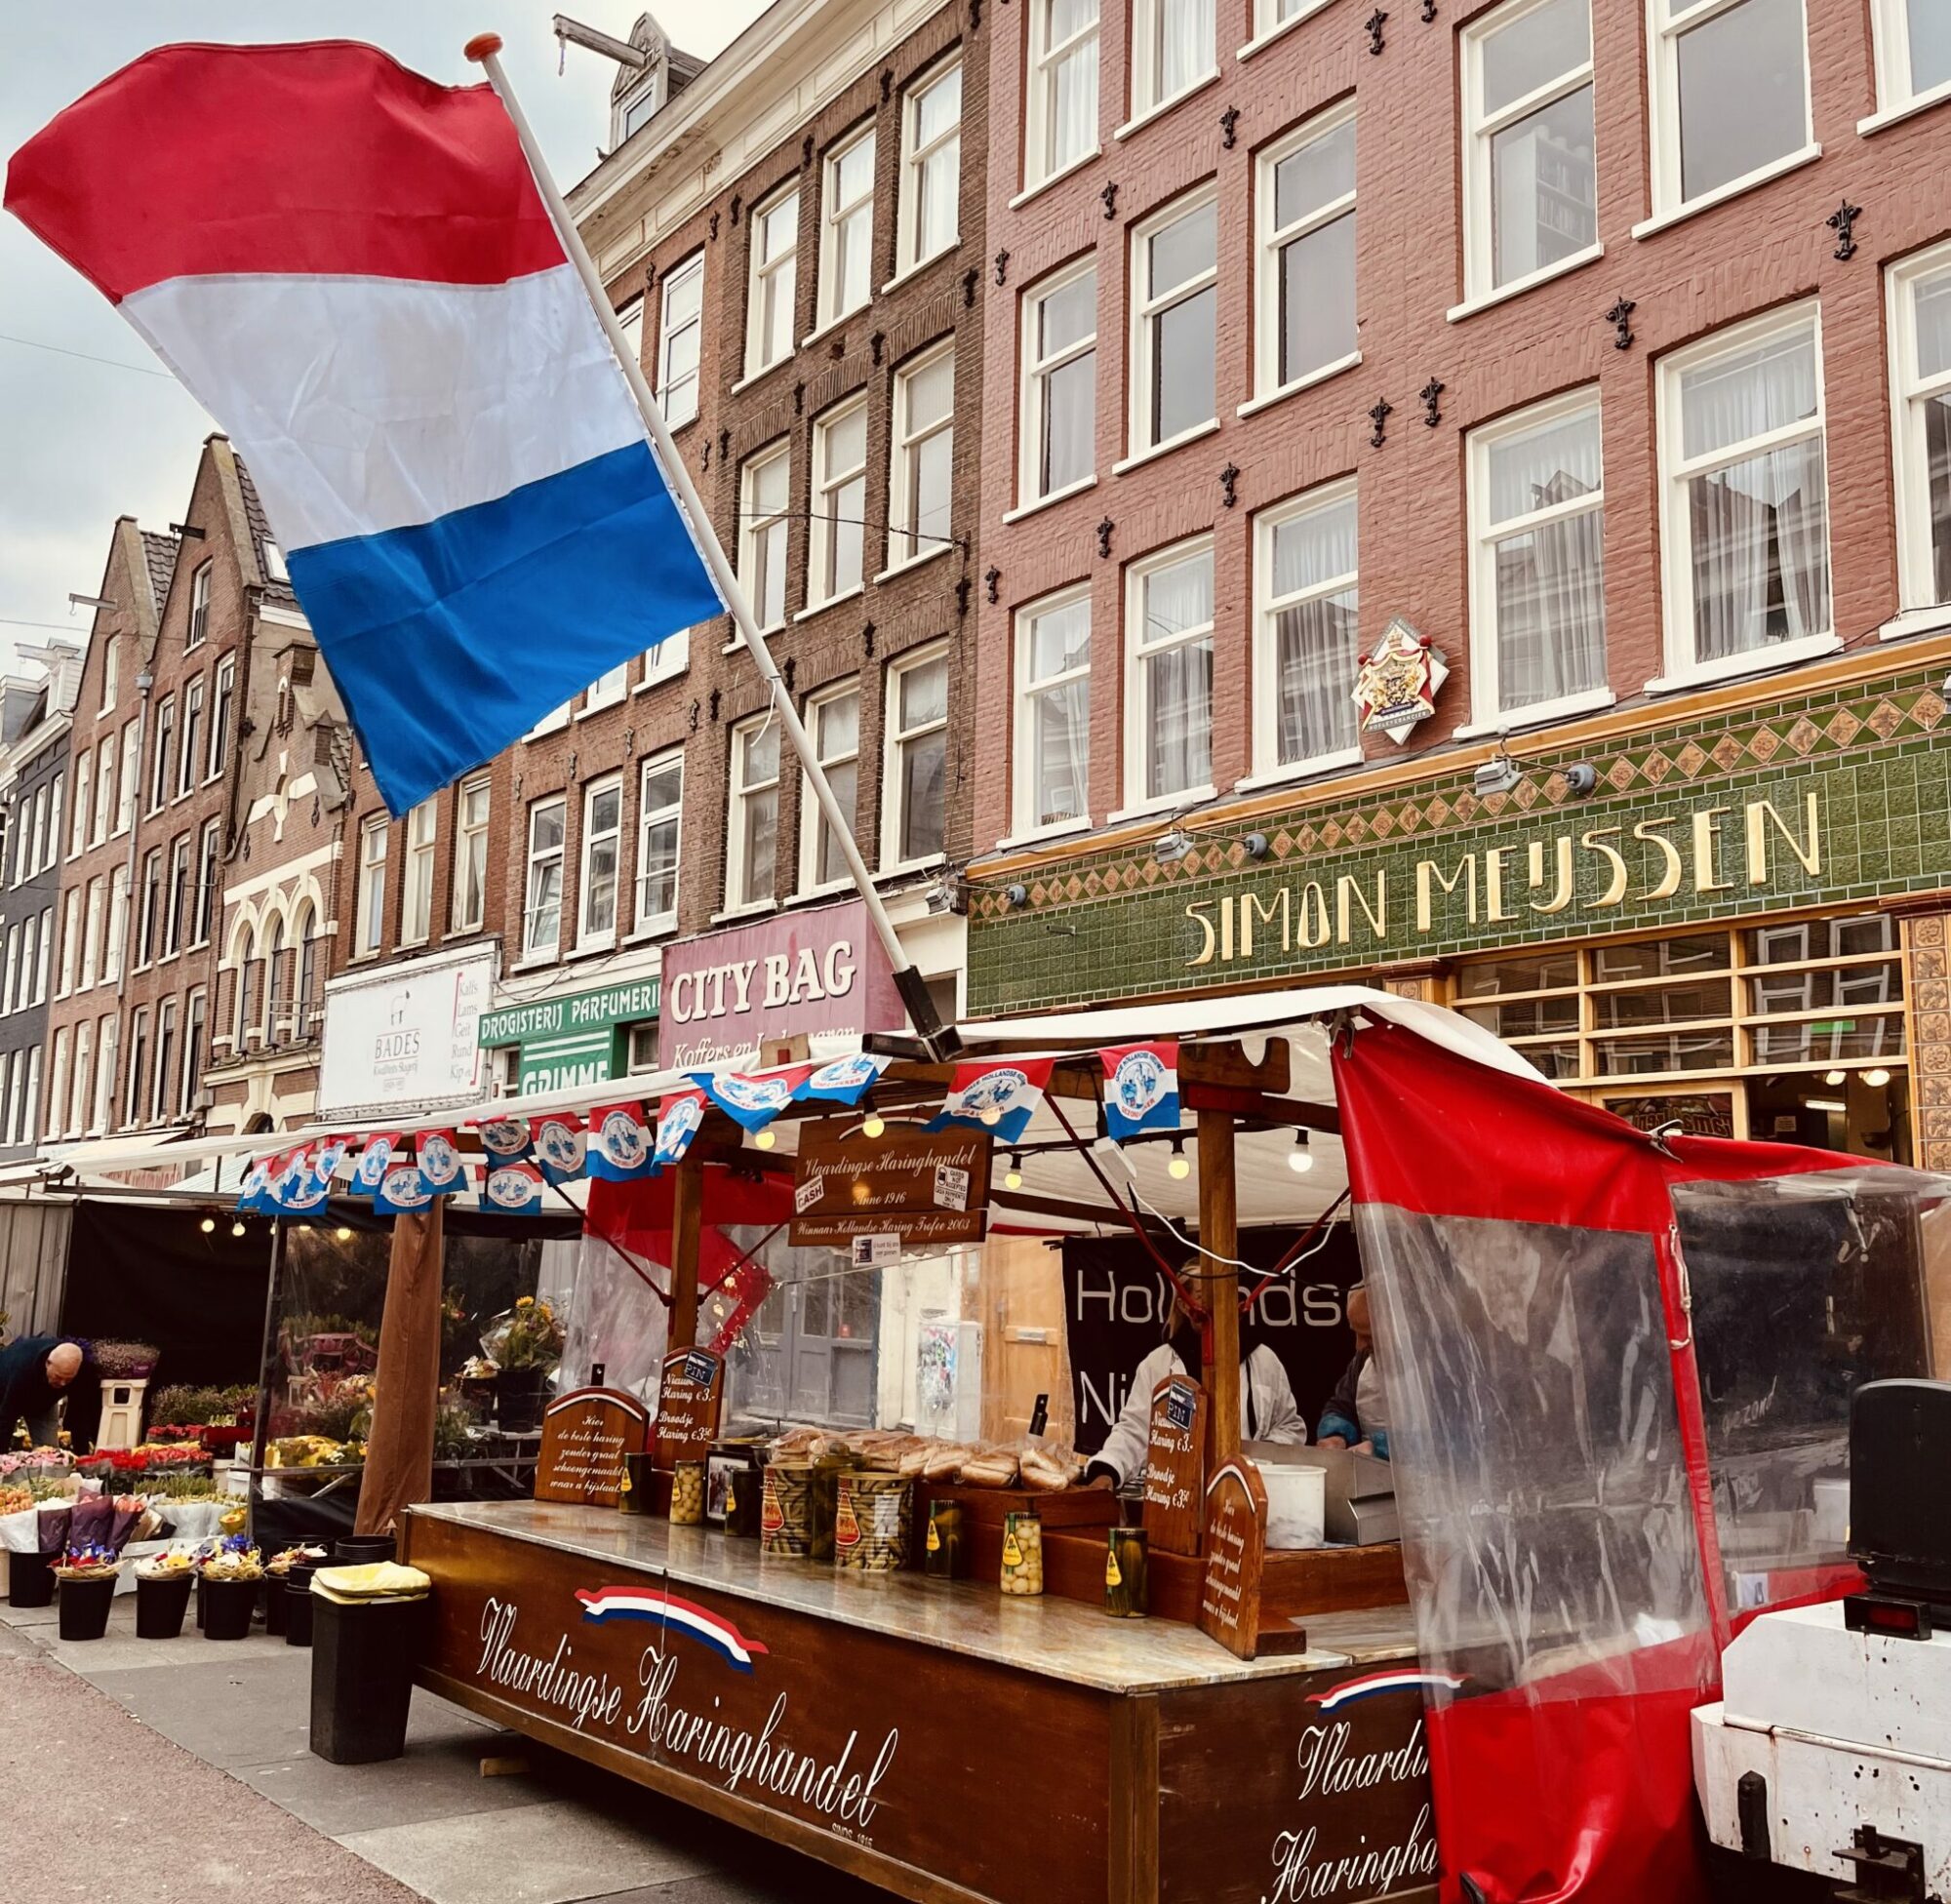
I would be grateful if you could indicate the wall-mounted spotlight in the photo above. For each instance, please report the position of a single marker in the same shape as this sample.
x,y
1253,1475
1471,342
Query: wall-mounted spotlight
x,y
1257,845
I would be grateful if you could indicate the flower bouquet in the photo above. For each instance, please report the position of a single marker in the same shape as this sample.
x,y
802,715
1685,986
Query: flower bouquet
x,y
525,1344
162,1584
127,1362
86,1580
233,1574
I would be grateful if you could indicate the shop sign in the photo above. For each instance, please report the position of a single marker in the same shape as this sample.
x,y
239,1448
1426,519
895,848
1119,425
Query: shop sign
x,y
926,1187
573,1038
405,1036
585,1435
1396,683
687,1402
813,973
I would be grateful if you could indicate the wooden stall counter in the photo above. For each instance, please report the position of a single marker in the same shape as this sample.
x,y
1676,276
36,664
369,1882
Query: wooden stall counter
x,y
936,1737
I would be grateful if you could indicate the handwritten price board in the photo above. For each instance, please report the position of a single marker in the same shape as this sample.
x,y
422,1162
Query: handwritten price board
x,y
585,1435
1236,1552
1175,1467
688,1399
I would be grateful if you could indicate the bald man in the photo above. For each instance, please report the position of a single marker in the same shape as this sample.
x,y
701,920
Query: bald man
x,y
35,1372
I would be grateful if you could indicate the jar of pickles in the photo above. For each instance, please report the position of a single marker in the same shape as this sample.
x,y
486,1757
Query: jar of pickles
x,y
688,1495
1127,1587
1023,1553
941,1549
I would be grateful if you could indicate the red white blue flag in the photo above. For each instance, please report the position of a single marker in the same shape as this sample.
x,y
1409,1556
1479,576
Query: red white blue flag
x,y
1140,1088
561,1145
515,1189
351,269
751,1100
442,1173
502,1139
377,1157
678,1119
842,1079
1000,1098
619,1144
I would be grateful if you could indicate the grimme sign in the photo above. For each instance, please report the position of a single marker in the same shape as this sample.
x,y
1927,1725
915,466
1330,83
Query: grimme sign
x,y
578,1038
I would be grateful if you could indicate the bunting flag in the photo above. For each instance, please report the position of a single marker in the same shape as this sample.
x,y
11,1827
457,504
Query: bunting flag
x,y
678,1119
736,1301
560,1145
502,1139
442,1172
1000,1098
751,1100
619,1144
251,1189
515,1189
1140,1088
843,1081
402,1192
328,1158
373,1162
294,1186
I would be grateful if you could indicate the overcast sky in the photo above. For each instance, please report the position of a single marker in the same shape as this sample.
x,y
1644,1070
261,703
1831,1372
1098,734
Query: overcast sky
x,y
83,442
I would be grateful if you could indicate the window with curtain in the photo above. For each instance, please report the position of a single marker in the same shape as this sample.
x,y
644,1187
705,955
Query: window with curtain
x,y
837,532
1175,300
372,925
541,903
1061,118
931,165
678,338
1059,397
833,724
1747,525
916,776
1532,185
659,811
763,493
1538,499
468,904
1053,732
772,233
1169,637
847,227
1307,633
1174,46
1731,94
752,838
921,482
1305,205
1920,330
417,895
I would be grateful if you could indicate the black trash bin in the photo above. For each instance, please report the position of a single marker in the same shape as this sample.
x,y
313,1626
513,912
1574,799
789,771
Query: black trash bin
x,y
30,1579
363,1549
362,1658
298,1606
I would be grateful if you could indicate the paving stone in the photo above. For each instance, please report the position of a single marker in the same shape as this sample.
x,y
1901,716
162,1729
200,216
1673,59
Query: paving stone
x,y
438,1778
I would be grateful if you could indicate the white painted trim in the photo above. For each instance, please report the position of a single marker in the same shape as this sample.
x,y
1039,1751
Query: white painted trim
x,y
1759,660
918,266
1043,185
1301,383
1517,287
1021,772
1264,729
1734,188
1140,306
1917,582
1042,503
1039,834
1538,714
1165,803
1138,121
1269,239
1916,622
1301,769
1259,43
1165,449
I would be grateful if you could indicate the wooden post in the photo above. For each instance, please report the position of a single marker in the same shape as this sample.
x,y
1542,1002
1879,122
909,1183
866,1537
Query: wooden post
x,y
1220,1236
406,1384
686,1223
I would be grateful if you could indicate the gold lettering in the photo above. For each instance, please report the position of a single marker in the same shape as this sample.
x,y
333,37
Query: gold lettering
x,y
1669,880
1225,932
1707,850
1494,884
1314,930
1197,912
1348,887
1593,841
1427,877
1250,906
1562,896
1759,814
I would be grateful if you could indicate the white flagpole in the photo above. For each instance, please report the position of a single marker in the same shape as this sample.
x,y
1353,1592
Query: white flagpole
x,y
485,50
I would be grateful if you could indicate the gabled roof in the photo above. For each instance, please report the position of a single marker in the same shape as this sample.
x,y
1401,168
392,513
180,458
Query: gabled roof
x,y
159,552
260,534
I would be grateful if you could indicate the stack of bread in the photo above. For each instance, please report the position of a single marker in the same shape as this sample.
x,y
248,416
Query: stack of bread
x,y
923,1457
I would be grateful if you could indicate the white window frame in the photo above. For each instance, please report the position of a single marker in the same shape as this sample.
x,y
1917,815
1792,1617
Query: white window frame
x,y
1682,670
1036,374
107,1037
1487,714
1481,128
760,273
1145,309
370,924
668,659
81,1084
471,845
164,731
608,688
105,793
179,890
1027,821
737,791
199,607
1273,239
209,851
1147,23
1267,763
111,669
191,741
1138,712
813,822
588,937
136,1063
1668,21
679,412
115,942
915,158
420,846
164,1053
1917,584
195,1053
904,452
755,530
1040,108
57,1080
1897,96
649,817
148,916
70,948
895,741
534,949
828,482
91,932
129,786
223,707
829,309
630,321
84,804
1268,24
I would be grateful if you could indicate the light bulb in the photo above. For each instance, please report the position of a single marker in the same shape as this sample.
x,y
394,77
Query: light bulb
x,y
873,1125
1179,1167
208,1226
766,1138
991,1115
1834,1076
237,1228
1300,1158
1875,1079
1013,1177
343,1234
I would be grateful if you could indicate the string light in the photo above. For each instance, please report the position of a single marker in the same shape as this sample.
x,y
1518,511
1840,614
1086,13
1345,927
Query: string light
x,y
343,1234
1875,1079
873,1123
1179,1168
208,1226
1300,1158
1012,1179
766,1138
1834,1076
237,1228
992,1114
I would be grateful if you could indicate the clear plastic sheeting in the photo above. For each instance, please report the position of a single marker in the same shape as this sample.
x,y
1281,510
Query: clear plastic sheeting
x,y
615,1319
1539,1473
1803,1289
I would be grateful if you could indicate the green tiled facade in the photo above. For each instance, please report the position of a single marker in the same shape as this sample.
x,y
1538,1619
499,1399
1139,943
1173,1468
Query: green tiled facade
x,y
1874,757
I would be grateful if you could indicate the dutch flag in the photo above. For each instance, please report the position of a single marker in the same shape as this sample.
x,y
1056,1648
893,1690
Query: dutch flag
x,y
679,1615
350,267
1350,1692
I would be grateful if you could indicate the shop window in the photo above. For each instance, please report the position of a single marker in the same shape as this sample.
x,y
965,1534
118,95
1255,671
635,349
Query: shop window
x,y
753,837
1059,424
833,724
1537,564
773,229
1168,693
915,780
678,332
931,165
1307,633
1913,40
762,534
1060,128
1304,203
847,227
541,902
1052,726
1173,47
1174,306
659,811
1730,97
1920,334
1745,517
922,477
838,536
1530,200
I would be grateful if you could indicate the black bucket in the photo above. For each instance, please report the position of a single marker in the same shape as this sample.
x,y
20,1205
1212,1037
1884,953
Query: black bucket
x,y
227,1607
363,1549
160,1605
297,1607
30,1579
84,1607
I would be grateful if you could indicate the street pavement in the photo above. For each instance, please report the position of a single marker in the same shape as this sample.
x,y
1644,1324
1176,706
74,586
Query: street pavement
x,y
174,1771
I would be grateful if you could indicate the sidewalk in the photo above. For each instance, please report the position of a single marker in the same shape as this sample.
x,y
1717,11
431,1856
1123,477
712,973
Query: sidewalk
x,y
174,1771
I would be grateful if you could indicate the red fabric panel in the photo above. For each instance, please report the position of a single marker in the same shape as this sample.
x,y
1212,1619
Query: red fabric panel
x,y
326,157
622,1211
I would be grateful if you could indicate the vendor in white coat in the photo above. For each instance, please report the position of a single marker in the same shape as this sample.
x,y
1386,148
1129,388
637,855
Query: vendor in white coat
x,y
1267,1408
